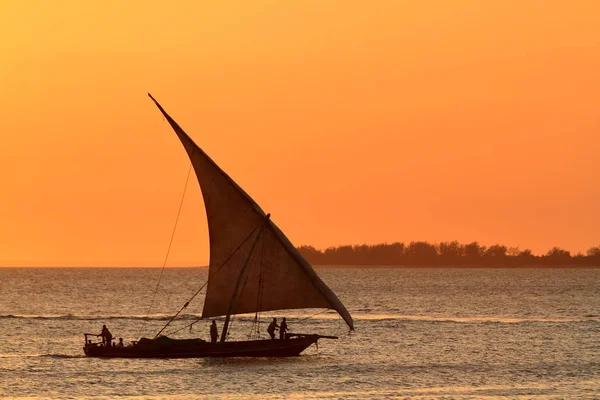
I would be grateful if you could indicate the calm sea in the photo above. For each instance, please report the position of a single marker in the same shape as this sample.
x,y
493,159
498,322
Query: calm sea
x,y
420,333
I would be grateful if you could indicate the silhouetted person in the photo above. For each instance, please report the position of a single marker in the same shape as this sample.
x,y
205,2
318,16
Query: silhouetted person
x,y
120,344
272,327
283,329
213,332
106,336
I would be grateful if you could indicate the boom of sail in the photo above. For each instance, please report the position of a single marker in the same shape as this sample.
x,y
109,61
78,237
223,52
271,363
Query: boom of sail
x,y
253,266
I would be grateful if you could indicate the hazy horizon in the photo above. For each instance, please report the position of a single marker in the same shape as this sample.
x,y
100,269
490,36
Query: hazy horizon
x,y
508,251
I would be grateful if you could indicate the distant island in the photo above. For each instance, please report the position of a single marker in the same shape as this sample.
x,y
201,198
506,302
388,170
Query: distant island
x,y
446,254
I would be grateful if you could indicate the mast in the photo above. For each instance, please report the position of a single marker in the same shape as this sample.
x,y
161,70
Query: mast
x,y
239,280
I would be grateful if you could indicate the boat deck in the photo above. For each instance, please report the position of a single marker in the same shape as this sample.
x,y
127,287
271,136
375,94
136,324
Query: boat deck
x,y
199,348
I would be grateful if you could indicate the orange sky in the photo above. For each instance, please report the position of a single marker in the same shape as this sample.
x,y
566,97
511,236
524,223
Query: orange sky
x,y
350,122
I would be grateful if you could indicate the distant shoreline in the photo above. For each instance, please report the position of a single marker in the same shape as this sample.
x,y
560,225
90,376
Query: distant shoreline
x,y
447,255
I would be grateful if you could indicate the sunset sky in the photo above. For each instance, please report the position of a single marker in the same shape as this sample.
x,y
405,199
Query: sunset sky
x,y
350,122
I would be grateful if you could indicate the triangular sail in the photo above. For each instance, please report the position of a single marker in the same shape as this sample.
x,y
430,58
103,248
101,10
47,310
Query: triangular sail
x,y
276,276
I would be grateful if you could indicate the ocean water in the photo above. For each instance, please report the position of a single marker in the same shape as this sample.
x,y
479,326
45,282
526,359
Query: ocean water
x,y
420,334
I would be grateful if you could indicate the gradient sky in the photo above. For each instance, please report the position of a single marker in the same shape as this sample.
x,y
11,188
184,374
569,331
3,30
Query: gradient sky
x,y
350,122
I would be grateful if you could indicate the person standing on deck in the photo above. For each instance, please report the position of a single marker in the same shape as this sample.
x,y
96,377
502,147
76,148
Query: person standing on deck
x,y
213,332
106,336
271,329
283,328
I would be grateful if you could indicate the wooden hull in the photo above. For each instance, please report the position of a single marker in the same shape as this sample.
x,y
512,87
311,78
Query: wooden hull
x,y
250,348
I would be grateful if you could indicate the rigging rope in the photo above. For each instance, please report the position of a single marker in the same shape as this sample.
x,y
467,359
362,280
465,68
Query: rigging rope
x,y
205,283
168,249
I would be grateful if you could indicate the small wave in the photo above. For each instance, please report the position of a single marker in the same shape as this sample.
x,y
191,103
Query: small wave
x,y
61,356
41,355
472,320
71,317
324,316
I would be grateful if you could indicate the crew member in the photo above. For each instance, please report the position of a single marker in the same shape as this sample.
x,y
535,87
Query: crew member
x,y
213,332
283,328
272,327
106,336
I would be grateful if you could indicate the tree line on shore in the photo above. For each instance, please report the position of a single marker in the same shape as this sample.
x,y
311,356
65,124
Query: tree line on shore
x,y
446,254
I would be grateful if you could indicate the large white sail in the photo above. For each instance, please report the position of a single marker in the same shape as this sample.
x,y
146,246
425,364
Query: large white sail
x,y
243,239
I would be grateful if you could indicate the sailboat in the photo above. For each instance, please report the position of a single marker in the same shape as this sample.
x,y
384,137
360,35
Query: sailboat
x,y
253,268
